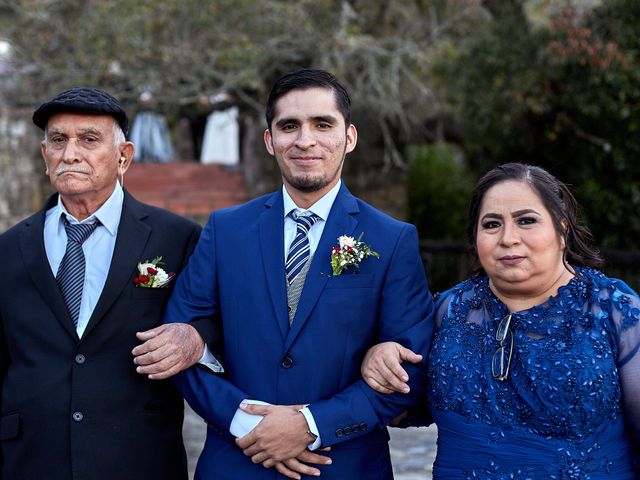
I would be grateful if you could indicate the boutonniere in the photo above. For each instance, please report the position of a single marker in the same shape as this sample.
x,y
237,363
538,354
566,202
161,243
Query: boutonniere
x,y
350,253
151,275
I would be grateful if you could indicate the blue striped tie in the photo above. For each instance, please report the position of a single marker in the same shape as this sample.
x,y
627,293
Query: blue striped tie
x,y
299,249
70,275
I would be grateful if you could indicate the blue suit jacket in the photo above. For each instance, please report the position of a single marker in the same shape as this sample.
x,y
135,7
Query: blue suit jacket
x,y
236,278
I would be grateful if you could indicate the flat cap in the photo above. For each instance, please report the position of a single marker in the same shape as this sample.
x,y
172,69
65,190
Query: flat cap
x,y
82,100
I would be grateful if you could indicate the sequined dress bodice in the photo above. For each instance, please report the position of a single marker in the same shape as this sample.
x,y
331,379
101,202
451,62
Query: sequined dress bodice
x,y
559,414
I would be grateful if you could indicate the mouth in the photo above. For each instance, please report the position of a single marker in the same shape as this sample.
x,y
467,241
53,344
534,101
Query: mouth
x,y
511,259
306,161
62,172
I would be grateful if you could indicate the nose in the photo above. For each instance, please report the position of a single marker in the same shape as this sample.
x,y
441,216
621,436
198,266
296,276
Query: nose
x,y
305,138
510,234
71,153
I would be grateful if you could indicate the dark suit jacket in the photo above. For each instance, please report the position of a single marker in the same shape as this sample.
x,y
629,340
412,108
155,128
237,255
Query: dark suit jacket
x,y
76,408
236,279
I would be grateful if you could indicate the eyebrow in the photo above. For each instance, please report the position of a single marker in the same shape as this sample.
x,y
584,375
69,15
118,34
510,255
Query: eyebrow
x,y
517,213
82,131
316,118
92,130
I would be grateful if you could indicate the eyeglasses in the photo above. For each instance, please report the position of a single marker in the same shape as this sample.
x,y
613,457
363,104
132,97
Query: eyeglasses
x,y
502,358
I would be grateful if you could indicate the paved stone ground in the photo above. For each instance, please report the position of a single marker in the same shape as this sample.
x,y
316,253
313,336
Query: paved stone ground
x,y
412,449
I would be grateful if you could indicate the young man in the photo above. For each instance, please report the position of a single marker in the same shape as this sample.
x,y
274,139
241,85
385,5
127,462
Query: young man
x,y
294,334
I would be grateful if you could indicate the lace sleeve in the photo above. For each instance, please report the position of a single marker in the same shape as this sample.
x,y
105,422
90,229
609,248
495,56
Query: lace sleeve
x,y
625,314
441,301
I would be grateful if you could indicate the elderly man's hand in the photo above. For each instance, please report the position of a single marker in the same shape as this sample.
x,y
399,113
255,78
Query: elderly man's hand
x,y
167,350
382,370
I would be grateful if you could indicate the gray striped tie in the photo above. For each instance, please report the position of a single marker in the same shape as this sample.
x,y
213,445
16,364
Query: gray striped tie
x,y
70,275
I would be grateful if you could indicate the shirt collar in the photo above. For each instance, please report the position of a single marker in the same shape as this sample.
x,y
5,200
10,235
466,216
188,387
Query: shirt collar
x,y
108,214
321,208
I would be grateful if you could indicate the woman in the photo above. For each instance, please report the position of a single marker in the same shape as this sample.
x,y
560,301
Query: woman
x,y
534,371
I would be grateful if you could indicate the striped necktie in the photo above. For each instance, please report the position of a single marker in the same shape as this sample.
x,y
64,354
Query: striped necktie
x,y
70,275
299,250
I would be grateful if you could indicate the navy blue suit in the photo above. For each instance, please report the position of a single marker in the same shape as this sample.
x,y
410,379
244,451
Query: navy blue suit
x,y
236,279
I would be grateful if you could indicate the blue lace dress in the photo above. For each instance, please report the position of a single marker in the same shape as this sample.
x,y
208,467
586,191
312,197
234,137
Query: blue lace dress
x,y
570,406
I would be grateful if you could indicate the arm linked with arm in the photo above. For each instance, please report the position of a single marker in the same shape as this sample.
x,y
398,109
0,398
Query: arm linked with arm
x,y
195,301
211,332
405,316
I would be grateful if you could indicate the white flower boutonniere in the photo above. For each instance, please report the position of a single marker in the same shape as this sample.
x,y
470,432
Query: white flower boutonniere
x,y
350,253
151,275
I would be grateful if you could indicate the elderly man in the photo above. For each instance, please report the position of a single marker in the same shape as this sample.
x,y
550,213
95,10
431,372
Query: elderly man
x,y
73,293
300,301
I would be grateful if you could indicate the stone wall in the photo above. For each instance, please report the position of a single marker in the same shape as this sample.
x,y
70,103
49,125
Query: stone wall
x,y
22,182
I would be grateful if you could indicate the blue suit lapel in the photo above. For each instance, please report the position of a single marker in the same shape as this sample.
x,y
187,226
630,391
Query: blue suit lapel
x,y
342,221
35,259
133,233
272,247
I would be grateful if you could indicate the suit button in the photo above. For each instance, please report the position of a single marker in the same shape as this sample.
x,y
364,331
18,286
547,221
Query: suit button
x,y
339,433
77,416
348,431
80,359
287,362
363,427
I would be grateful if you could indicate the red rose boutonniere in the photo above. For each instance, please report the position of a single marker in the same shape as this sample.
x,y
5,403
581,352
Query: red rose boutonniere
x,y
151,275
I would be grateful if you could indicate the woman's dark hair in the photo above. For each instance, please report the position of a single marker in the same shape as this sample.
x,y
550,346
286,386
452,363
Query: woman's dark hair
x,y
557,199
304,79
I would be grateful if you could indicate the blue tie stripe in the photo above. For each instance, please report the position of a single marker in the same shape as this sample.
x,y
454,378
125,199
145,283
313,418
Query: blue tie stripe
x,y
299,249
70,277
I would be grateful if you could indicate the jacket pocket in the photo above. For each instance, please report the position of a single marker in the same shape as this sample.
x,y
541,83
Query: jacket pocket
x,y
9,426
150,294
351,280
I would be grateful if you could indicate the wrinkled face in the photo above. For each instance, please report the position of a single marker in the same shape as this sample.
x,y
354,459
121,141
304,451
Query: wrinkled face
x,y
309,139
517,243
81,155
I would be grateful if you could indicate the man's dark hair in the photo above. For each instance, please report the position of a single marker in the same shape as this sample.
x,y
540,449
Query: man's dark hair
x,y
309,78
558,200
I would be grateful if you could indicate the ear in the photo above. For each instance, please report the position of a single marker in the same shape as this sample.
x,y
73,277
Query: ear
x,y
352,137
43,151
268,141
125,157
565,228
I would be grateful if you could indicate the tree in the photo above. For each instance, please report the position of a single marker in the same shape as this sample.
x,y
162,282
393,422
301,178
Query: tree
x,y
185,49
564,95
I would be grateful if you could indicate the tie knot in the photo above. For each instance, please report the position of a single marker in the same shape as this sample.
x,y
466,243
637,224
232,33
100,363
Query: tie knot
x,y
305,222
78,232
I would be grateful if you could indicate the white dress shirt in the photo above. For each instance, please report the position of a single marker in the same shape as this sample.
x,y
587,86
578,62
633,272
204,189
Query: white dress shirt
x,y
97,248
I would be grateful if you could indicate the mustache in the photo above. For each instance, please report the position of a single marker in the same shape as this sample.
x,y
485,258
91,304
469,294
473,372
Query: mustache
x,y
72,169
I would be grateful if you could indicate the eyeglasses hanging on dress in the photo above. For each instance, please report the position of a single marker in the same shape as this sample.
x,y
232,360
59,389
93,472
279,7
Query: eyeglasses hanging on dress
x,y
501,361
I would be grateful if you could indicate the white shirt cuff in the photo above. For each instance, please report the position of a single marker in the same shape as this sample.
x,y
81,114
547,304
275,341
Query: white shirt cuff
x,y
313,428
243,422
209,360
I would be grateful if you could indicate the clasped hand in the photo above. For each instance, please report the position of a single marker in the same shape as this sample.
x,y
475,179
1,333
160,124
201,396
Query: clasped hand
x,y
280,440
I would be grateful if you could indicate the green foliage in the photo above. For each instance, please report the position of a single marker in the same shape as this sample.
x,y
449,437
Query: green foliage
x,y
565,96
439,187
